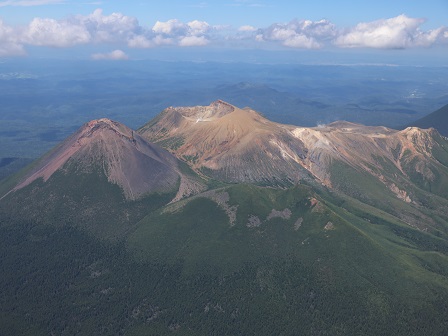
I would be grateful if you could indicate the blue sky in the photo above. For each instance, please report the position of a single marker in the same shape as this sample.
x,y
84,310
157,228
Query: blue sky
x,y
121,30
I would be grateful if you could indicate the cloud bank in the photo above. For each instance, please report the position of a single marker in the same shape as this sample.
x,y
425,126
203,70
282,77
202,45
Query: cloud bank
x,y
124,31
299,34
10,44
175,32
396,33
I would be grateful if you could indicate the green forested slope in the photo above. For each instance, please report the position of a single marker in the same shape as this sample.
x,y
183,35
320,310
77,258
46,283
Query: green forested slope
x,y
316,265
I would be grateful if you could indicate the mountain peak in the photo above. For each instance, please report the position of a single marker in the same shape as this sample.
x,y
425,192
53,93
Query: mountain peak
x,y
127,159
221,104
235,144
419,133
105,124
414,130
216,109
101,120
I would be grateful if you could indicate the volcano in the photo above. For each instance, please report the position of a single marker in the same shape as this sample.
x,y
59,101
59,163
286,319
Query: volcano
x,y
213,220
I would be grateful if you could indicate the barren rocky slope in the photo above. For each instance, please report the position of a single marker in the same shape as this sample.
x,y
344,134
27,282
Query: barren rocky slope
x,y
228,143
386,154
239,145
127,160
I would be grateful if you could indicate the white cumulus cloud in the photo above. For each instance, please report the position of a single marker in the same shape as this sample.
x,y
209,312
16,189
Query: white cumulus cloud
x,y
109,28
10,44
299,34
53,33
159,40
98,28
247,28
116,55
122,31
170,27
176,28
193,33
395,33
198,27
301,41
193,41
81,29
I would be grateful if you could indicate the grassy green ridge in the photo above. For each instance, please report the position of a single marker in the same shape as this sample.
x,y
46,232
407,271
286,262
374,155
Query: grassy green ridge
x,y
188,271
372,278
423,209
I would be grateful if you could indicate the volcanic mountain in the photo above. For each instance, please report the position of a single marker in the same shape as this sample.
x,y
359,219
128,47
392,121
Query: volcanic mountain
x,y
340,229
239,145
229,143
135,165
105,173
